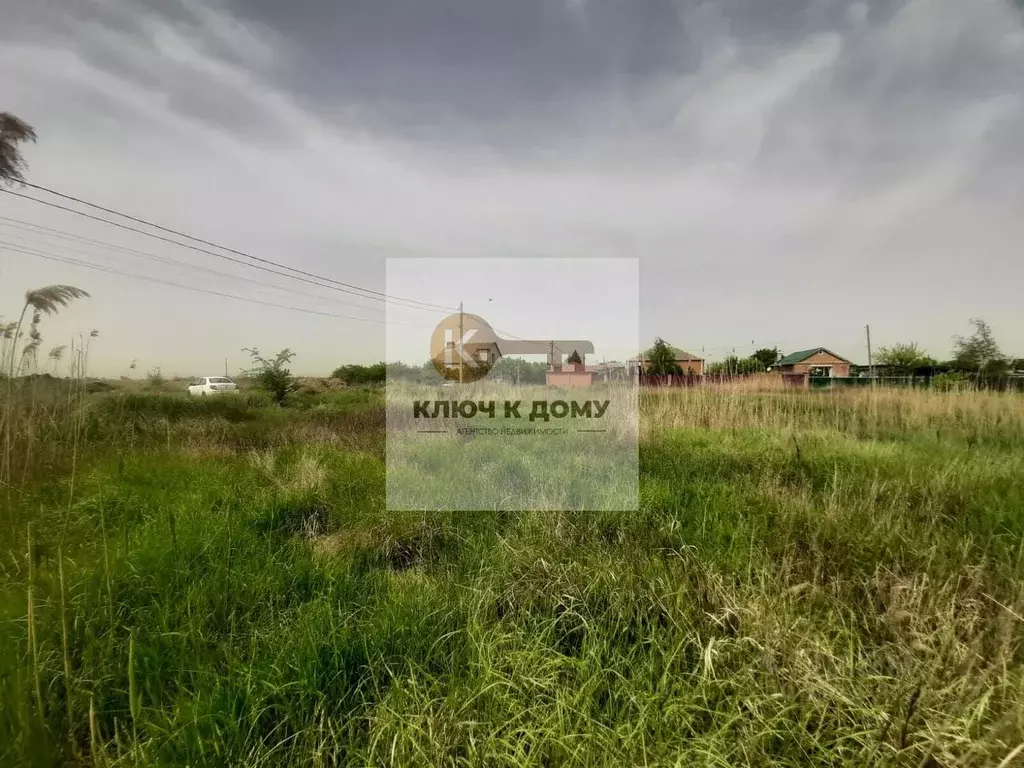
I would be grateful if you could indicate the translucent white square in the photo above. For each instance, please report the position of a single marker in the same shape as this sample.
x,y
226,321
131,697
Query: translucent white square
x,y
487,405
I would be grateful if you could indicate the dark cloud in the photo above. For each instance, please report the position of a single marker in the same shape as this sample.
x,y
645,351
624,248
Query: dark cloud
x,y
751,148
482,61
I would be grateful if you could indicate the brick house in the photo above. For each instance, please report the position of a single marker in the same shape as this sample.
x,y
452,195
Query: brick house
x,y
687,362
571,375
814,362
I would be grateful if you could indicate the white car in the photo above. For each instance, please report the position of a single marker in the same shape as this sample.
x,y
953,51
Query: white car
x,y
211,385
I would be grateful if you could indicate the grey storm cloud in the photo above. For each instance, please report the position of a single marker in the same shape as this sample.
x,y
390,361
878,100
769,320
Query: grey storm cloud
x,y
742,147
666,79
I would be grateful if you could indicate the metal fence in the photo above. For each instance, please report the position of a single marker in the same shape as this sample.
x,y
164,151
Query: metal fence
x,y
1001,383
1005,383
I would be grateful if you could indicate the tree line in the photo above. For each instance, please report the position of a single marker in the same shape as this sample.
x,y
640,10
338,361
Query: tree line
x,y
511,369
977,353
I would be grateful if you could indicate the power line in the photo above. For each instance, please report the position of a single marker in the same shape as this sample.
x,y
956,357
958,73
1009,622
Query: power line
x,y
173,262
150,279
377,295
217,245
520,338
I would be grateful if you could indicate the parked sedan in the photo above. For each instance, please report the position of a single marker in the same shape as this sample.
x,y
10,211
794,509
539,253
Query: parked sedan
x,y
211,385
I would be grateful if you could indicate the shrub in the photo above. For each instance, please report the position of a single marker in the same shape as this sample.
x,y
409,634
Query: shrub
x,y
361,374
949,382
270,374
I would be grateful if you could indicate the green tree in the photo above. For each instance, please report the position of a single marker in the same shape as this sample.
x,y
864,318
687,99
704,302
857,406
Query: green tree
x,y
367,374
767,357
979,351
903,356
575,358
12,133
272,374
661,359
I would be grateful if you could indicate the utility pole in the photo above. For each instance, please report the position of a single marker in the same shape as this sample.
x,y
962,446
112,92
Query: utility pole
x,y
871,367
225,368
461,350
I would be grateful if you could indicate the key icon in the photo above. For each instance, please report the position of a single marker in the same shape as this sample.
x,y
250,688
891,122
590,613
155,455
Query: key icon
x,y
464,347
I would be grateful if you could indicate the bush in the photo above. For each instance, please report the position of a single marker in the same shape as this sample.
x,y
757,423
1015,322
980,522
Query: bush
x,y
949,382
361,374
271,375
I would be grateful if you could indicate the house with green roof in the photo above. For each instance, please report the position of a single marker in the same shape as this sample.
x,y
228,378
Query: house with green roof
x,y
817,361
687,362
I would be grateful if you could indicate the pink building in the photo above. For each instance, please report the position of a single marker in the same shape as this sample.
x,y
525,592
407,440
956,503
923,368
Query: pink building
x,y
573,375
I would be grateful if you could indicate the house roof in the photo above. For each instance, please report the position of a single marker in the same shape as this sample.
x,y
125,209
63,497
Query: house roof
x,y
678,354
796,357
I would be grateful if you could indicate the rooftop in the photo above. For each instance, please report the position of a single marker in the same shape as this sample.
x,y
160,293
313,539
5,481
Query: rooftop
x,y
678,354
796,357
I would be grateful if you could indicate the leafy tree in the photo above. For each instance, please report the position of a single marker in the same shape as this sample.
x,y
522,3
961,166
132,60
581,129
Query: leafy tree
x,y
12,133
272,374
575,358
979,351
1017,364
903,356
661,360
767,357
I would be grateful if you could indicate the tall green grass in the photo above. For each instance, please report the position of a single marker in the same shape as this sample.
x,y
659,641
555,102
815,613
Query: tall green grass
x,y
812,579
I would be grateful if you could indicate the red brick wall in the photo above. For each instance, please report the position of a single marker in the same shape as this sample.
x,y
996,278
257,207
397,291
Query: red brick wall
x,y
840,368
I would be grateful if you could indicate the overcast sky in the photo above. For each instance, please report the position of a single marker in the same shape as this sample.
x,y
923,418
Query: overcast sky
x,y
785,171
522,299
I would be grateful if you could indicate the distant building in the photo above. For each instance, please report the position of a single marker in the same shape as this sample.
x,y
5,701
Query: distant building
x,y
485,353
688,363
609,371
571,375
816,362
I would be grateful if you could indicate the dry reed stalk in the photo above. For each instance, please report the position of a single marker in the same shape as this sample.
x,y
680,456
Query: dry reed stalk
x,y
32,641
64,643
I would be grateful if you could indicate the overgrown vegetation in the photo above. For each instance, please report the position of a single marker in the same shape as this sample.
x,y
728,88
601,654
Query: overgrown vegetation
x,y
661,359
271,374
824,578
813,578
362,374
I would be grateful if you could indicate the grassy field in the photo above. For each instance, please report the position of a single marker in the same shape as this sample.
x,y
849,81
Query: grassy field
x,y
830,578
